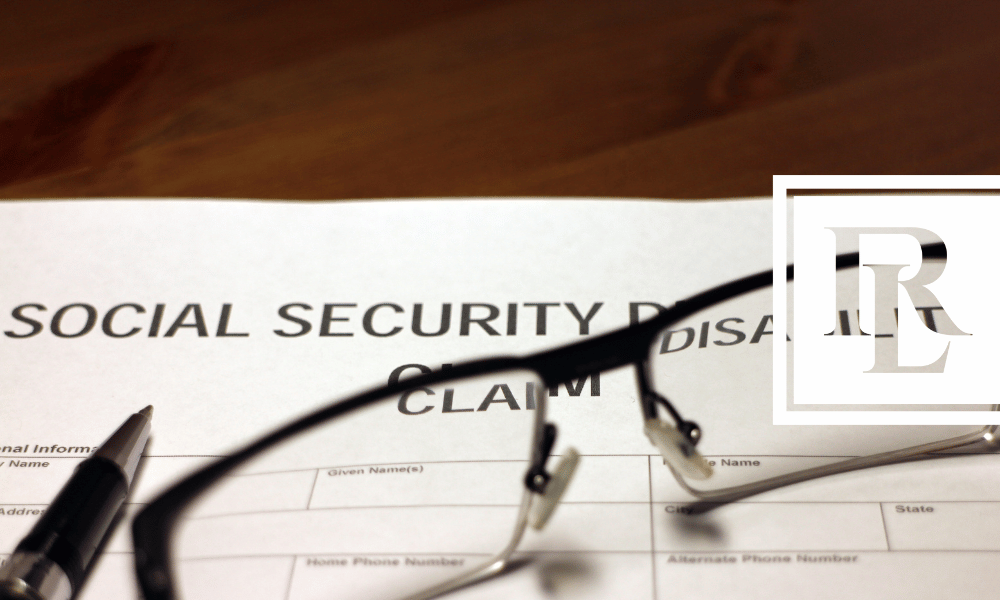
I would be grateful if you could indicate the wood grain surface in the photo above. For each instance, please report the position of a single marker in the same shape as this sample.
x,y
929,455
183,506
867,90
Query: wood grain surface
x,y
330,99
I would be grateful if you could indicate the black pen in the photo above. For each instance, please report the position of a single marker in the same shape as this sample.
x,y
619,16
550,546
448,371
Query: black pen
x,y
53,560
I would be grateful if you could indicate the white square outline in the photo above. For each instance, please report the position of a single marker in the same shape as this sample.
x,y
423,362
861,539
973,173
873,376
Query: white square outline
x,y
782,183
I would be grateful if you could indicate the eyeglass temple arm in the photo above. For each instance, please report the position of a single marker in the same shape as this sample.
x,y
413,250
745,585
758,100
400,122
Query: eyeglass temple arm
x,y
984,440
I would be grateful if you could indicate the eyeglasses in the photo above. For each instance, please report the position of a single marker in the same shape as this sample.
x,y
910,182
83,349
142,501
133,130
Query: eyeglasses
x,y
430,483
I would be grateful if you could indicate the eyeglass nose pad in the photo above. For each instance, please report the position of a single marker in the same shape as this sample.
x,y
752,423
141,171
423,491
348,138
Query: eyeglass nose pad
x,y
677,451
546,502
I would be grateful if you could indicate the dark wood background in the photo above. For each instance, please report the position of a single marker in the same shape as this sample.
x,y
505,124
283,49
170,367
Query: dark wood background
x,y
333,99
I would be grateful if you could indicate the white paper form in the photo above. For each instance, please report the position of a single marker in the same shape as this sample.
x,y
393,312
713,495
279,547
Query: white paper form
x,y
234,317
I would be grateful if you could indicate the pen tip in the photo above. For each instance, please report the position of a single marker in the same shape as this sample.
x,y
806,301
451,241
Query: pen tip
x,y
147,412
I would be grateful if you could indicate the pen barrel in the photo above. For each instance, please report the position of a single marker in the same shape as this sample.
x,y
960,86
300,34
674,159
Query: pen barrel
x,y
71,530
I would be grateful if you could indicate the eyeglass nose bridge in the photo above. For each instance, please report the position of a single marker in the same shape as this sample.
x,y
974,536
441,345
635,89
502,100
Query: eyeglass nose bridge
x,y
603,353
610,351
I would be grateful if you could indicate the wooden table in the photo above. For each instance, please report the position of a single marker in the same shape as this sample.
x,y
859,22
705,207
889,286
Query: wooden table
x,y
327,99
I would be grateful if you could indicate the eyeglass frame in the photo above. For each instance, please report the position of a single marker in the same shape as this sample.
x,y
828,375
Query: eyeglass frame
x,y
153,527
